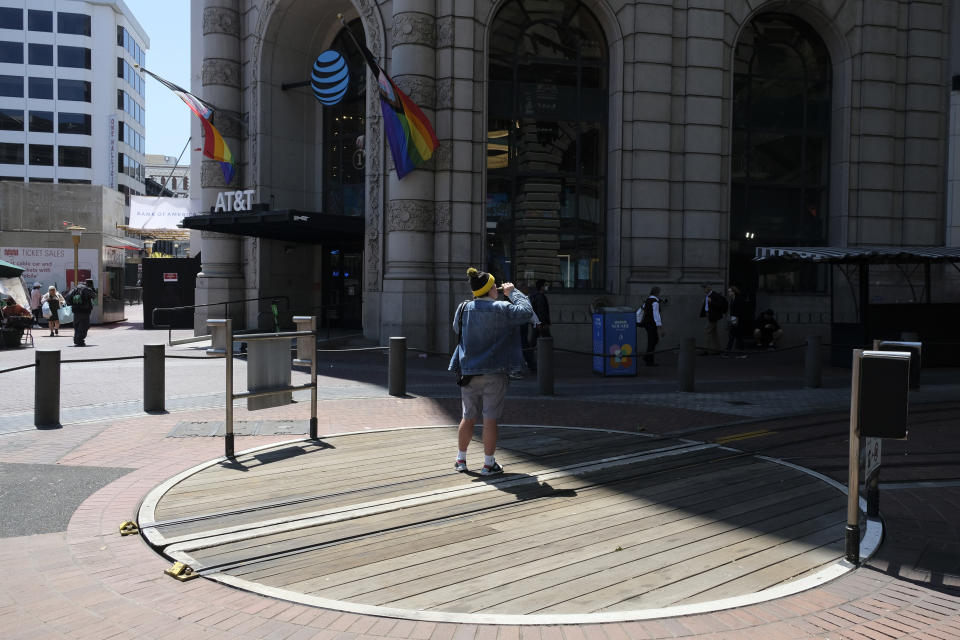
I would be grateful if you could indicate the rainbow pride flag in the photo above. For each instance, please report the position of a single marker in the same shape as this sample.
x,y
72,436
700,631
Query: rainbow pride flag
x,y
411,138
214,146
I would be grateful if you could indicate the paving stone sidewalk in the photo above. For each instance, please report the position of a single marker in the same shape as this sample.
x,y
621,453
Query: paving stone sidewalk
x,y
89,582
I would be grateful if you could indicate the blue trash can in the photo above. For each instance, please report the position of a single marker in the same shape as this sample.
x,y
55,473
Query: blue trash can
x,y
615,336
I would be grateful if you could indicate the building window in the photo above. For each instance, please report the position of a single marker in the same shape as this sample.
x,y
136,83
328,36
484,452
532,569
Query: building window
x,y
185,185
11,18
344,189
11,86
780,159
78,90
11,52
38,20
75,23
41,54
73,181
73,156
41,154
41,88
11,119
546,141
11,153
11,178
75,57
47,180
41,121
76,123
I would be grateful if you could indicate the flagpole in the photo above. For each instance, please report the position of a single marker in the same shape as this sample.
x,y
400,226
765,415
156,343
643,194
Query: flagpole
x,y
176,87
350,34
175,165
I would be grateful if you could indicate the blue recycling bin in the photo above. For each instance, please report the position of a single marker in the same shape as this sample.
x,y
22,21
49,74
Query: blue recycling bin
x,y
615,336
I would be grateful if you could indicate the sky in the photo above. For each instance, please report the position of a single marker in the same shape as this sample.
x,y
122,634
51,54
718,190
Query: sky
x,y
168,119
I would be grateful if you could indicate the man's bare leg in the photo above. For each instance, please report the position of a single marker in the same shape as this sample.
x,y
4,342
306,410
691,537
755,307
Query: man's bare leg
x,y
465,433
489,436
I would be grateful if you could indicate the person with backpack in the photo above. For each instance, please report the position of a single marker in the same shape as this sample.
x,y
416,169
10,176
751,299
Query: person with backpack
x,y
713,309
648,317
81,299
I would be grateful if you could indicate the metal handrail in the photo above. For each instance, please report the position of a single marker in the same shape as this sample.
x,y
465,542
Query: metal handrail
x,y
171,342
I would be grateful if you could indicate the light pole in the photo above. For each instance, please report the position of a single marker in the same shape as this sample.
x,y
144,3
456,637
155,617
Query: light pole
x,y
75,231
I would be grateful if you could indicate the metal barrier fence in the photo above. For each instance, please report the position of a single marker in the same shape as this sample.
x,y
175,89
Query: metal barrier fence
x,y
48,363
226,311
222,332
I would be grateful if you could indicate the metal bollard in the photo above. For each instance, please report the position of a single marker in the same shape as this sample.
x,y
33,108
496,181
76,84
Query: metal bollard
x,y
154,378
545,366
873,495
812,363
46,394
397,384
685,364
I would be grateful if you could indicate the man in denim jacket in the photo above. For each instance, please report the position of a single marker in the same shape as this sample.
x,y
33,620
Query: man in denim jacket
x,y
489,349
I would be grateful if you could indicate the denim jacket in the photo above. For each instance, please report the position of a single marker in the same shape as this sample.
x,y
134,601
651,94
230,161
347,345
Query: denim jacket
x,y
491,335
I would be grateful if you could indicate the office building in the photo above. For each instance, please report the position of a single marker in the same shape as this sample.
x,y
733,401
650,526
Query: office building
x,y
72,103
604,146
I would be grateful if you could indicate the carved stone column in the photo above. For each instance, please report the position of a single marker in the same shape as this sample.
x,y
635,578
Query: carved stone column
x,y
221,277
408,299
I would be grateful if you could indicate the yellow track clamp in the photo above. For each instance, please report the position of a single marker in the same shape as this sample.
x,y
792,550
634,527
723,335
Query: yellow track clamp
x,y
129,528
181,572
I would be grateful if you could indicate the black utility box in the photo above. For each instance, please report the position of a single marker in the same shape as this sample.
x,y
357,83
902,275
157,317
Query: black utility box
x,y
169,282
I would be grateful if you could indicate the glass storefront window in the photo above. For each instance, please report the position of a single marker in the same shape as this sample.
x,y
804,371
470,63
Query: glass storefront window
x,y
781,150
546,134
343,126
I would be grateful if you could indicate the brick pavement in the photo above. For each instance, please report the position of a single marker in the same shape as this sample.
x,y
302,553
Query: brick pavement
x,y
89,582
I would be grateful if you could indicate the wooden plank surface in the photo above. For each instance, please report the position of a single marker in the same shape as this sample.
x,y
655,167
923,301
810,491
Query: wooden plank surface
x,y
583,521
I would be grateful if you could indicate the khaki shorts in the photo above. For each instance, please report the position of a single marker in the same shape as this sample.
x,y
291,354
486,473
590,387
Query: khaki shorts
x,y
487,391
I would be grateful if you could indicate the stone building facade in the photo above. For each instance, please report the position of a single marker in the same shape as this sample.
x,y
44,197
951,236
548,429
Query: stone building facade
x,y
604,146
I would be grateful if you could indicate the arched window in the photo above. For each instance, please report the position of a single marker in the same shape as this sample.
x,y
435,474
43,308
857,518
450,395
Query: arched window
x,y
546,142
781,149
343,127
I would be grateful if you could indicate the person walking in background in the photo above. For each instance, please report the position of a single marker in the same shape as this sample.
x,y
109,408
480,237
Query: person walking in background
x,y
81,298
714,306
54,301
648,317
36,306
487,351
541,316
736,307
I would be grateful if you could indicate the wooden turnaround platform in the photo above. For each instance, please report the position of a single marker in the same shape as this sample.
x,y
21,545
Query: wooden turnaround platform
x,y
585,525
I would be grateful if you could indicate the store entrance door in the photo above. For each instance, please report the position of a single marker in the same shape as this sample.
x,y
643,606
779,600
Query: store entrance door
x,y
342,295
